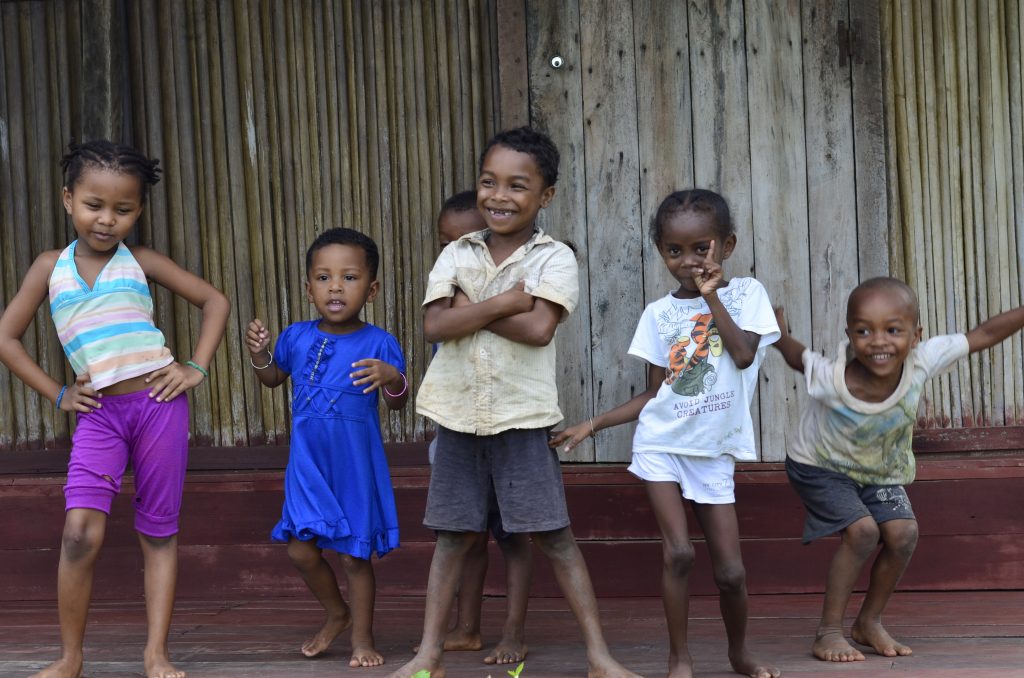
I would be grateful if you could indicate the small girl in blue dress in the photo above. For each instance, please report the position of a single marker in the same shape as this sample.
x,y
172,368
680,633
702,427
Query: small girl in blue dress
x,y
337,487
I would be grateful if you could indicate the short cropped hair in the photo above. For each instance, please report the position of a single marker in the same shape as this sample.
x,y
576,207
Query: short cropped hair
x,y
536,144
887,285
345,236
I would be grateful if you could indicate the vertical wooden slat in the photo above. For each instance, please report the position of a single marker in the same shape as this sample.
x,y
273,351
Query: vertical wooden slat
x,y
869,112
831,190
779,193
556,108
664,123
614,232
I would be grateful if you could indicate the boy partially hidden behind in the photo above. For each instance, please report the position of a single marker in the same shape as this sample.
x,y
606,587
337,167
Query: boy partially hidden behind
x,y
495,299
851,455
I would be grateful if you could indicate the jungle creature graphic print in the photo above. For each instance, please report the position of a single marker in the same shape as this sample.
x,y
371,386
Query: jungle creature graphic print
x,y
693,339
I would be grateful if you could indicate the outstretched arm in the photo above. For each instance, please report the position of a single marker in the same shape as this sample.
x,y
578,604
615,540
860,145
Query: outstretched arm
x,y
627,411
176,378
995,329
445,321
791,349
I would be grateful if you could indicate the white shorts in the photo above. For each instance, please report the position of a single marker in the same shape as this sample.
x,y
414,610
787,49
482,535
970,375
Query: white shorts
x,y
704,480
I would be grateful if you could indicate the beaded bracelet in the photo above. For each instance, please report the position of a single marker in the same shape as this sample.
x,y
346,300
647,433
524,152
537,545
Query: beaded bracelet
x,y
262,367
197,366
593,431
405,387
60,396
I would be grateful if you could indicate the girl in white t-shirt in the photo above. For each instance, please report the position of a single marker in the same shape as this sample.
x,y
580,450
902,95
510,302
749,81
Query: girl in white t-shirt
x,y
703,344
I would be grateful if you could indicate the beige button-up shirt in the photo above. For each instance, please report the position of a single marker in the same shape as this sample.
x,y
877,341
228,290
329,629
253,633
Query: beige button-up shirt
x,y
484,383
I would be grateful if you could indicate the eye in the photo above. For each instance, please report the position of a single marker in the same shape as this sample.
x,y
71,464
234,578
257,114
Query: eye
x,y
702,248
322,277
487,183
674,251
350,277
896,330
519,187
92,205
124,210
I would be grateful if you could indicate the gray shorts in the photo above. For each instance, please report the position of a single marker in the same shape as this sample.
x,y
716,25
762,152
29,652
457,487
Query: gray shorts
x,y
834,501
515,468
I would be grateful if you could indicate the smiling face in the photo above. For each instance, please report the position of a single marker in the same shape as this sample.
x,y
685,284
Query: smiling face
x,y
339,285
510,192
882,327
686,238
104,206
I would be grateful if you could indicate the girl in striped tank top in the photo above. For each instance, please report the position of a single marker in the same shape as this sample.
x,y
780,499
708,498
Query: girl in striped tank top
x,y
127,386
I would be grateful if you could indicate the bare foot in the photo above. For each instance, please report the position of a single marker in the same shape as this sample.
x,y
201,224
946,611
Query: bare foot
x,y
831,646
607,667
62,668
507,651
365,655
332,628
680,667
420,664
161,667
460,641
744,664
874,635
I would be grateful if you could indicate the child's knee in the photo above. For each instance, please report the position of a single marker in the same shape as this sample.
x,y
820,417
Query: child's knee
x,y
678,558
353,565
902,538
81,540
862,536
303,554
731,577
557,544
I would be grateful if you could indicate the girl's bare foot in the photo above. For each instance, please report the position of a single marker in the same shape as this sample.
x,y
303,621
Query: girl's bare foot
x,y
160,667
365,655
606,667
680,667
874,635
62,668
420,664
507,651
334,626
746,665
458,640
831,646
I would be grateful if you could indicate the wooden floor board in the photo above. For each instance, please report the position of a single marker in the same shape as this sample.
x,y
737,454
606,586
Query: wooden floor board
x,y
975,634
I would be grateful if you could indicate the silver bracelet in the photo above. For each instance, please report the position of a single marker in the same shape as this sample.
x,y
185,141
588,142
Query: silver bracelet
x,y
262,367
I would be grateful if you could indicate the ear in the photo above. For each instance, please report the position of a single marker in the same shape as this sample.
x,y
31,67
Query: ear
x,y
917,336
309,291
728,245
374,289
547,196
66,199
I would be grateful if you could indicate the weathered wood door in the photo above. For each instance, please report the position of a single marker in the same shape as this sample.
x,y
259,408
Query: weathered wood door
x,y
776,104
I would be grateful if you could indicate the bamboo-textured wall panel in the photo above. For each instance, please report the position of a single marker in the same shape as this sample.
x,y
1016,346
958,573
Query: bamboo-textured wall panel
x,y
956,162
273,121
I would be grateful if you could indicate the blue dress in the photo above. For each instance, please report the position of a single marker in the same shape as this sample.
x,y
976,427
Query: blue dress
x,y
337,489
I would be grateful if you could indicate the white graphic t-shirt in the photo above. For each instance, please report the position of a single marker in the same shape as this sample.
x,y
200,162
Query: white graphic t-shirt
x,y
703,406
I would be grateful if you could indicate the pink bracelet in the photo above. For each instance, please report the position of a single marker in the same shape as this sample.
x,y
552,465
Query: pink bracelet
x,y
405,387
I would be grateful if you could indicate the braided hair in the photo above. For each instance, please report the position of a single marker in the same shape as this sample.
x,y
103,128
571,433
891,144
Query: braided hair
x,y
104,154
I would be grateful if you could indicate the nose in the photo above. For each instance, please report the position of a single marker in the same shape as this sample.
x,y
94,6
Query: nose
x,y
106,217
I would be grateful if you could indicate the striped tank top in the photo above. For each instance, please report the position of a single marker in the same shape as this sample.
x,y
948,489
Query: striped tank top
x,y
107,331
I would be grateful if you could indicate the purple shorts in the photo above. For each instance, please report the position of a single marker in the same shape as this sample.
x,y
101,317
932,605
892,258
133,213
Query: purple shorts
x,y
153,436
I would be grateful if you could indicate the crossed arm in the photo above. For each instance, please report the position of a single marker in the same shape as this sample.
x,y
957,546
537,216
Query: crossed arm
x,y
513,314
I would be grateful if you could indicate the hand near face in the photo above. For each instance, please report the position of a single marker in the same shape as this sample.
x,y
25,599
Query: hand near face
x,y
708,276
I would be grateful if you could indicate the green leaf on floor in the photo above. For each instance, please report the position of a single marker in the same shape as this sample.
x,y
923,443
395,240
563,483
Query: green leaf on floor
x,y
515,672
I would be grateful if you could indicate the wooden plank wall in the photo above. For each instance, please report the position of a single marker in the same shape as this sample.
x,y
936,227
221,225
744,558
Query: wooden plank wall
x,y
273,121
956,159
758,100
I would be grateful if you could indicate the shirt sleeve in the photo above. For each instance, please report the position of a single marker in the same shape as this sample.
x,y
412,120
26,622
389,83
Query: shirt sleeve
x,y
819,375
442,280
938,354
559,280
757,315
391,353
284,349
646,343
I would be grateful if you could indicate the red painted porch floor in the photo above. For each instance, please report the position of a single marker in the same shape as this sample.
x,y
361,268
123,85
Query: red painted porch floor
x,y
960,634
